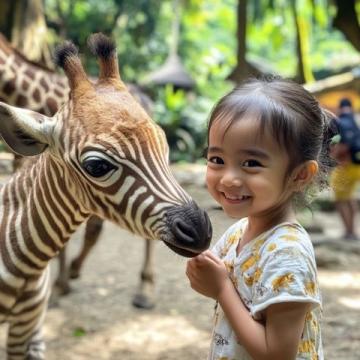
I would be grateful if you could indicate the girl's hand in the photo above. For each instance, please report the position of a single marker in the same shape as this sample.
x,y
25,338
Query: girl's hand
x,y
208,274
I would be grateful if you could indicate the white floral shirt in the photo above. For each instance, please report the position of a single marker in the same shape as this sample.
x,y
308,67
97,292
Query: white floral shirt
x,y
277,266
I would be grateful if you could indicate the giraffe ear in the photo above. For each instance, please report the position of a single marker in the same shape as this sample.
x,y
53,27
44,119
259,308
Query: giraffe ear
x,y
26,132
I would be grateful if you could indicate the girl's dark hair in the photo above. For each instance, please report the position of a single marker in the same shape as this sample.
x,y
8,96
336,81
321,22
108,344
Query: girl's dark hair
x,y
293,116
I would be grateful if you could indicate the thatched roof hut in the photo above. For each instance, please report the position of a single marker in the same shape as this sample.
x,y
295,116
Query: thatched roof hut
x,y
330,90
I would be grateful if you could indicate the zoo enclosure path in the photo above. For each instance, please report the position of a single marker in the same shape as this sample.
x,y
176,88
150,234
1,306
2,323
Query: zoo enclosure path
x,y
98,322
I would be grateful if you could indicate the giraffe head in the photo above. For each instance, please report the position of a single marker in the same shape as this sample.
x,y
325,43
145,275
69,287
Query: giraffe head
x,y
108,154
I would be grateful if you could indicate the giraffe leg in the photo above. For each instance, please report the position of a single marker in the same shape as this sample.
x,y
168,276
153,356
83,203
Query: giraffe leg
x,y
32,348
25,338
62,282
93,229
145,297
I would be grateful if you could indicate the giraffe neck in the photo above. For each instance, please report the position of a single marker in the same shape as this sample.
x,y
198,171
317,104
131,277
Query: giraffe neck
x,y
38,215
26,84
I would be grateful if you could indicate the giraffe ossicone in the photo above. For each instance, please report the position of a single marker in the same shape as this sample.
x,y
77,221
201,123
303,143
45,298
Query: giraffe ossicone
x,y
100,154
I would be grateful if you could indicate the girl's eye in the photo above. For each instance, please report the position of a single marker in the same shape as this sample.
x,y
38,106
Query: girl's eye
x,y
251,163
216,160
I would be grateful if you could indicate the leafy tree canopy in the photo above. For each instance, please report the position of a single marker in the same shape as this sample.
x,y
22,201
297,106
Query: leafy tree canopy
x,y
207,46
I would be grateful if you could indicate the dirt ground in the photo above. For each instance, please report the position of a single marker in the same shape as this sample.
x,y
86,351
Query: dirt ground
x,y
97,320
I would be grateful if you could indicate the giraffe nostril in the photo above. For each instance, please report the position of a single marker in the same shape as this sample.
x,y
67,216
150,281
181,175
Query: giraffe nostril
x,y
184,231
190,227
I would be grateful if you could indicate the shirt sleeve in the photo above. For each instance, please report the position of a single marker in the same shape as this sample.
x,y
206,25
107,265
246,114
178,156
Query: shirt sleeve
x,y
285,275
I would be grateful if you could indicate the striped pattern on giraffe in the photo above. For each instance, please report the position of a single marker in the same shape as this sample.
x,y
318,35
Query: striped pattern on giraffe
x,y
100,154
24,83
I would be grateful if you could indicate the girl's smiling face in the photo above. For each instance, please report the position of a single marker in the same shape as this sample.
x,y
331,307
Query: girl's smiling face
x,y
246,169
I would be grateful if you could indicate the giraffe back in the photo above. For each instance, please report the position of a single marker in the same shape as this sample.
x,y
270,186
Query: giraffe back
x,y
26,84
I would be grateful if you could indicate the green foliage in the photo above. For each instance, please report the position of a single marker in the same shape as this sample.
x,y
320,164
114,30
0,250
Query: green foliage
x,y
131,23
208,42
2,147
183,118
271,35
79,332
207,46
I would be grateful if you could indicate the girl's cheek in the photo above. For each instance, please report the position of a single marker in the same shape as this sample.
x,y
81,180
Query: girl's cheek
x,y
211,182
209,176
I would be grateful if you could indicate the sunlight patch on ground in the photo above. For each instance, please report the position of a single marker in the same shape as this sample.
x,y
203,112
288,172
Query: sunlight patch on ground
x,y
154,331
152,335
339,279
352,303
54,322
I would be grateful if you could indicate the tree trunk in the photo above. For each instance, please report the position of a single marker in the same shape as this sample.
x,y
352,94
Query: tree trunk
x,y
243,69
347,22
304,73
6,23
28,30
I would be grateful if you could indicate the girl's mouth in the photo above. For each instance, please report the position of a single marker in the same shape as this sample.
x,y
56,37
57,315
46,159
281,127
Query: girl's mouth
x,y
235,199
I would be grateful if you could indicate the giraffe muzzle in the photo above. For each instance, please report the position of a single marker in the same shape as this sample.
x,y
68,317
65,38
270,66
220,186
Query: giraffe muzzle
x,y
190,228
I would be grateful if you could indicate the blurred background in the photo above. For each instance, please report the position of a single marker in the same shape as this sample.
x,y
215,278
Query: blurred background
x,y
188,53
184,55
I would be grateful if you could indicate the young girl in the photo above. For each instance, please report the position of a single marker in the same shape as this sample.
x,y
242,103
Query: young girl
x,y
268,147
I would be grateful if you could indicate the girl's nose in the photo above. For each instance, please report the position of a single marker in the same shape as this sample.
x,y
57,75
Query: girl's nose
x,y
231,178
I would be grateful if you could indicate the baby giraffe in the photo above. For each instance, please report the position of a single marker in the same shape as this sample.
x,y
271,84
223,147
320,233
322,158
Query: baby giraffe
x,y
100,154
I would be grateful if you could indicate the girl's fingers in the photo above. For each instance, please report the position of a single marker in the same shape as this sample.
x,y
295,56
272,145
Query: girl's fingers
x,y
191,273
194,282
199,258
190,263
210,256
193,263
204,256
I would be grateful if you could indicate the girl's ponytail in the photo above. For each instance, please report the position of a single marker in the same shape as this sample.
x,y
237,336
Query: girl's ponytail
x,y
329,127
329,130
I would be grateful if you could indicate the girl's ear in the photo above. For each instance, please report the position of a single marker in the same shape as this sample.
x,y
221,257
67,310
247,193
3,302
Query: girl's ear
x,y
26,132
303,174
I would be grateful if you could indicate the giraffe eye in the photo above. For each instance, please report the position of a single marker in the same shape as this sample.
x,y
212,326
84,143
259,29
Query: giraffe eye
x,y
97,167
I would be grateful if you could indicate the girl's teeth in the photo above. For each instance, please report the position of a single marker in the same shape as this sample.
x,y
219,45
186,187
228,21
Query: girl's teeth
x,y
236,197
233,198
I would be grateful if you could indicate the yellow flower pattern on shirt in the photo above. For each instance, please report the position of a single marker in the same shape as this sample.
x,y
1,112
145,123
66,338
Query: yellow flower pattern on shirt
x,y
282,281
250,262
230,268
290,237
310,287
257,274
257,245
232,240
271,247
277,266
307,346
